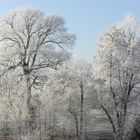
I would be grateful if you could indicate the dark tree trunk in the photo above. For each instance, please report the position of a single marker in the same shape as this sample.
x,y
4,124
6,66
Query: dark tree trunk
x,y
81,110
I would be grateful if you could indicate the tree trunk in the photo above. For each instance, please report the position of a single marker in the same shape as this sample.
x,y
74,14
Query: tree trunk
x,y
30,109
76,125
81,112
119,135
28,92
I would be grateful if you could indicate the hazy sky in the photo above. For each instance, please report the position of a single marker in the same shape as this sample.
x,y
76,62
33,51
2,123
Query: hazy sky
x,y
85,18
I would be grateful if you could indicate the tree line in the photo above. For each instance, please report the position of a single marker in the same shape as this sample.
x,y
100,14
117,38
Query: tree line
x,y
46,93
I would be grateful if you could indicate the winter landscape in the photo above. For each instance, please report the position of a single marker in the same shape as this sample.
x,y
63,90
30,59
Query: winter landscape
x,y
49,90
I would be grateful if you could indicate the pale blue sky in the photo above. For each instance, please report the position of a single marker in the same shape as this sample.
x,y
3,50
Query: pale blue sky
x,y
85,18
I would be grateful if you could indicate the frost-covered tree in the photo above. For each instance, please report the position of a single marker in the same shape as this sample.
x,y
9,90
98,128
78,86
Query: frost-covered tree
x,y
12,104
118,66
69,92
134,134
31,42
